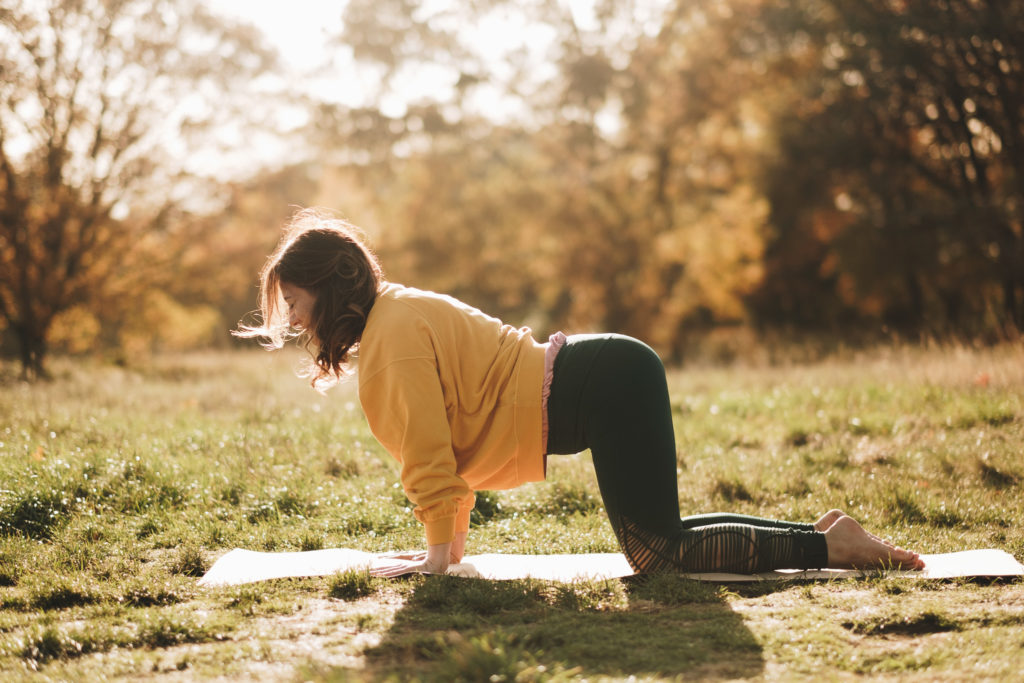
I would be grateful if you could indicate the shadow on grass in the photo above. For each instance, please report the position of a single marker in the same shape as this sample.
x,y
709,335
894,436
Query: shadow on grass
x,y
455,629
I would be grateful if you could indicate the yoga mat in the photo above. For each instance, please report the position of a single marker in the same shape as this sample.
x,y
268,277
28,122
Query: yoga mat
x,y
246,566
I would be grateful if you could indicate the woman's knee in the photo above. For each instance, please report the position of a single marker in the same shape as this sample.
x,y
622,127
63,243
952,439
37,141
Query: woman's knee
x,y
640,359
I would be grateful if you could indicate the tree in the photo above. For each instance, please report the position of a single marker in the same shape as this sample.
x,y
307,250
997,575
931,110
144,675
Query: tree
x,y
104,108
663,168
899,182
617,193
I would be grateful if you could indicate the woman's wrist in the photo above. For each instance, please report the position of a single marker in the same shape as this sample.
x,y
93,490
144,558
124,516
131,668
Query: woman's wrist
x,y
458,548
438,558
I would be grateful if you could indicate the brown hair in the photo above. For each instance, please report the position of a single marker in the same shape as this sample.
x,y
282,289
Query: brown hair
x,y
327,257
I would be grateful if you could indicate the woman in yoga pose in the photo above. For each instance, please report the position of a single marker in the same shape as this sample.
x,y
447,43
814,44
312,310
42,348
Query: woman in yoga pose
x,y
466,403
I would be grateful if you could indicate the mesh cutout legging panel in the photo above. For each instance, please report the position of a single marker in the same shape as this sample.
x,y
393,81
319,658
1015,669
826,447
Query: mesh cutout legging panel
x,y
609,394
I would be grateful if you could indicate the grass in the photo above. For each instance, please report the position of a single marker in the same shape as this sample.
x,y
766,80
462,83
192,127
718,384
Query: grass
x,y
120,485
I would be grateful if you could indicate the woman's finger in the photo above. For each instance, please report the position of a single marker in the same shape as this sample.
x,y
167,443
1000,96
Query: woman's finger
x,y
416,555
392,569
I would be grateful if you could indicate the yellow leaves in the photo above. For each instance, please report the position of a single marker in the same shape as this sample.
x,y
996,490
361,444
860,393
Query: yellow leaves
x,y
75,330
160,322
721,249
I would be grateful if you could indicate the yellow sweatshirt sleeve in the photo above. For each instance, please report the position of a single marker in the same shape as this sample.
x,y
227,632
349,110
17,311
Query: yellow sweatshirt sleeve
x,y
405,409
465,508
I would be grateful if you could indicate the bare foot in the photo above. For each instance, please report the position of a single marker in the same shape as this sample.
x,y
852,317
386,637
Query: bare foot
x,y
833,516
850,547
828,519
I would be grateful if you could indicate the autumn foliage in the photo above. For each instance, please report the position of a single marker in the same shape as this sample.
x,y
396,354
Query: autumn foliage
x,y
664,170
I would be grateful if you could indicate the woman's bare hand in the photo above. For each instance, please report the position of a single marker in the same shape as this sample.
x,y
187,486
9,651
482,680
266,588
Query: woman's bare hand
x,y
434,561
412,555
392,567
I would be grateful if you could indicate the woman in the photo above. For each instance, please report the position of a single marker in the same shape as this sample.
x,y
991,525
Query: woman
x,y
466,403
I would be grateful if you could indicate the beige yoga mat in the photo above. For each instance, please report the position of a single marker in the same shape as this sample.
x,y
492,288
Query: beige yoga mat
x,y
246,566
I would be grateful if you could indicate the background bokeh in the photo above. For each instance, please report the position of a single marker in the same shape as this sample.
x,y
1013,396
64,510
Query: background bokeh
x,y
697,173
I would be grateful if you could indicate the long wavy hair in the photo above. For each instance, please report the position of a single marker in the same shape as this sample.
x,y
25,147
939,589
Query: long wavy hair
x,y
329,258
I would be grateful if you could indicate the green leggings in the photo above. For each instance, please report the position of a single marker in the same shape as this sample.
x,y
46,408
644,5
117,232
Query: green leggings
x,y
609,394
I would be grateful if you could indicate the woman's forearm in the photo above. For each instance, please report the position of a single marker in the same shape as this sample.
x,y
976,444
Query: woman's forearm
x,y
458,548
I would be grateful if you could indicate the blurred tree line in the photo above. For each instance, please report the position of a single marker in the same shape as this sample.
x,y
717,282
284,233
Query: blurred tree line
x,y
663,169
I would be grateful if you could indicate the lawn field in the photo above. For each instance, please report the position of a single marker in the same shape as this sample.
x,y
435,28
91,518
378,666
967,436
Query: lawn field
x,y
119,486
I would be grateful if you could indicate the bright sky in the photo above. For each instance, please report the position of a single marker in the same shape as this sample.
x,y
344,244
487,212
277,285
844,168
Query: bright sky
x,y
299,29
302,30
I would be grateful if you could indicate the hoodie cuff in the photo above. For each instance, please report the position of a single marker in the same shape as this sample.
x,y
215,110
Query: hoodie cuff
x,y
440,530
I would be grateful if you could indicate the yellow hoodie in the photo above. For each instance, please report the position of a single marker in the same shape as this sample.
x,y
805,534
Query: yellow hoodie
x,y
455,396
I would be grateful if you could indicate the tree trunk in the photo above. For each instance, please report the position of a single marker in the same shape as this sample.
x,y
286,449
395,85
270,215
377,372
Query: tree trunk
x,y
32,343
1013,305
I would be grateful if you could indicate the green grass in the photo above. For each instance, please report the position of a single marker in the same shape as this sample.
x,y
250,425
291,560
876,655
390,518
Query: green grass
x,y
119,486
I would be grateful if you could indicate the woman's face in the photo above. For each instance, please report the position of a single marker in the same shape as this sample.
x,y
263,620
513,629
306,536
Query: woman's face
x,y
300,305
